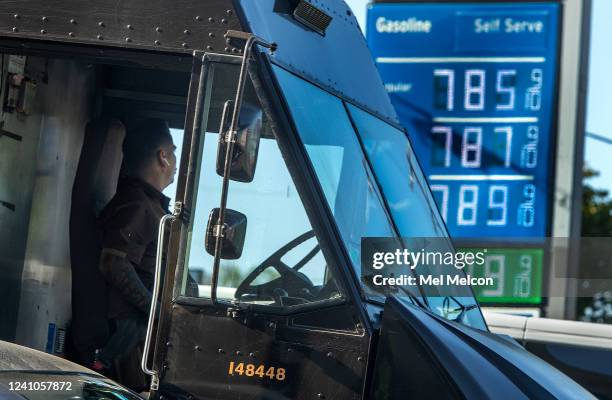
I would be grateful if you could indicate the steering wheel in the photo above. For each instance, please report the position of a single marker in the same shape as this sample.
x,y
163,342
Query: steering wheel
x,y
291,286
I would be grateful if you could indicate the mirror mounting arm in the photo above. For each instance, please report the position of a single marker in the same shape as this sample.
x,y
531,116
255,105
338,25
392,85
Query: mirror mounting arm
x,y
218,230
251,40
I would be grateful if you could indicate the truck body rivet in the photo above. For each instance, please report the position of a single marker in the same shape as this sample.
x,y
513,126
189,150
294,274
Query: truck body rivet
x,y
158,29
99,37
211,19
186,32
127,39
360,358
238,353
330,354
101,24
220,351
43,31
198,348
157,42
73,21
15,29
16,16
44,19
129,26
184,45
198,18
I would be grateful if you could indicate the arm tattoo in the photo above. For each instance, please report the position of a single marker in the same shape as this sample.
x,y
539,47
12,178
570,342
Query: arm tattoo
x,y
118,271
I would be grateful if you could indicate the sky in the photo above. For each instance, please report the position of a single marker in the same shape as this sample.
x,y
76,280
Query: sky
x,y
599,95
177,139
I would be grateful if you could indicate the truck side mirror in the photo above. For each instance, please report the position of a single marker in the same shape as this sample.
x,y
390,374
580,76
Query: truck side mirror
x,y
246,146
234,231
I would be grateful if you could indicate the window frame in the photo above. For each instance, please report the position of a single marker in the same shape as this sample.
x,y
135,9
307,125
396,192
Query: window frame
x,y
290,151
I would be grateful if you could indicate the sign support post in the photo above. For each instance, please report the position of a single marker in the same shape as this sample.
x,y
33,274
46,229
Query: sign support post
x,y
567,206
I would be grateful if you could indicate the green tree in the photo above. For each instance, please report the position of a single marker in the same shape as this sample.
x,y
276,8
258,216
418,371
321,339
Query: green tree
x,y
595,253
596,208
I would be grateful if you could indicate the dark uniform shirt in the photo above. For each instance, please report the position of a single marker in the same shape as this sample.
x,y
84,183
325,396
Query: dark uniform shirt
x,y
129,226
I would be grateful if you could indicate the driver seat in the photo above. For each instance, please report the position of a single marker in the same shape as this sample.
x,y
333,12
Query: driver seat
x,y
94,185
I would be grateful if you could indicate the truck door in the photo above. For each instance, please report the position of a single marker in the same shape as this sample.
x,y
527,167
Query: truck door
x,y
277,320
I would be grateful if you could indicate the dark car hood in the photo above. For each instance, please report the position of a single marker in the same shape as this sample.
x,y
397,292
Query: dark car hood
x,y
483,364
14,357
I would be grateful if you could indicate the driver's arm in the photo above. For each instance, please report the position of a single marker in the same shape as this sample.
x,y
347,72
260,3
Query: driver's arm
x,y
126,233
120,273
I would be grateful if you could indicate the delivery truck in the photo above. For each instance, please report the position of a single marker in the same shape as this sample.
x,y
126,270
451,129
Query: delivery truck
x,y
291,155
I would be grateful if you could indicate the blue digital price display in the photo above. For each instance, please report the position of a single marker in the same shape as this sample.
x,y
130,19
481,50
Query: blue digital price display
x,y
475,85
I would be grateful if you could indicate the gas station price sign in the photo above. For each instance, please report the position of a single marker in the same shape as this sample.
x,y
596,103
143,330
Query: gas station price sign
x,y
475,86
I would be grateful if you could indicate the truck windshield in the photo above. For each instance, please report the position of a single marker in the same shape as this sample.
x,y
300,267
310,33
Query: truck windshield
x,y
350,178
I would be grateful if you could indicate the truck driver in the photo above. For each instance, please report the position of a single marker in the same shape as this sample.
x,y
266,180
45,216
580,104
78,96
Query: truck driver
x,y
129,225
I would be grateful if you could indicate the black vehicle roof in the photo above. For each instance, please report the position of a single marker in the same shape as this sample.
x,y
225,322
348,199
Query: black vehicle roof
x,y
339,60
176,26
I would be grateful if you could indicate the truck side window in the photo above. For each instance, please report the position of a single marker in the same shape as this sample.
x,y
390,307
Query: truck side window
x,y
282,264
